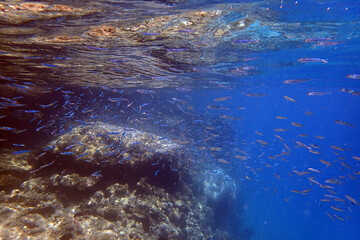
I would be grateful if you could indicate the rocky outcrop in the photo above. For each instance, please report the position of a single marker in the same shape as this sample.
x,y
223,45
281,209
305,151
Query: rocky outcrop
x,y
129,185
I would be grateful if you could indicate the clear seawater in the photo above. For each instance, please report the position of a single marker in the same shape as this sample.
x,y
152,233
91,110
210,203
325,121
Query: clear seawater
x,y
280,128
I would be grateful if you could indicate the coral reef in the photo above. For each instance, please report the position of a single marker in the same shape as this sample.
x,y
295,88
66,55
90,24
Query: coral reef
x,y
104,194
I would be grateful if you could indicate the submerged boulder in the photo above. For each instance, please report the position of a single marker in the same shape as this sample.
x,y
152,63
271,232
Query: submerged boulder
x,y
130,184
219,188
107,145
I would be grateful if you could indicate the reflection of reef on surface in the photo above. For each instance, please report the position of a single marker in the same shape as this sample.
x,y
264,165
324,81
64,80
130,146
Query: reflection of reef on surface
x,y
15,13
137,46
101,181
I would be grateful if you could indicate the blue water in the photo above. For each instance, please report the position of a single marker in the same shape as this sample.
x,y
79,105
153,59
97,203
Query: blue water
x,y
276,197
269,206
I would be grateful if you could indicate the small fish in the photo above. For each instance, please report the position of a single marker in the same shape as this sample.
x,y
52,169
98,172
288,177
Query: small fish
x,y
143,91
7,128
352,200
356,158
300,173
262,142
346,90
18,145
277,176
344,123
97,174
81,155
314,170
337,209
318,93
314,152
325,200
325,162
304,192
230,117
280,117
185,30
8,100
211,106
181,141
256,95
223,161
292,81
353,76
50,65
340,218
71,146
66,153
177,100
42,154
21,152
330,216
49,105
279,137
312,60
345,165
7,79
297,124
222,99
181,89
314,146
287,148
280,129
290,99
143,105
337,148
302,145
113,133
41,167
215,149
117,99
156,173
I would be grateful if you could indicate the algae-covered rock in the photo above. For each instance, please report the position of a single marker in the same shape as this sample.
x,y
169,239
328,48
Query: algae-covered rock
x,y
102,181
108,145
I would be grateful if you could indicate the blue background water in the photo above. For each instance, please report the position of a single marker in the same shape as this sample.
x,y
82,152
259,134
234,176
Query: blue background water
x,y
263,197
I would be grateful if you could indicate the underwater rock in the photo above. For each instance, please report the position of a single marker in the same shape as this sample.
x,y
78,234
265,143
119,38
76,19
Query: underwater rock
x,y
219,188
73,181
109,145
142,196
